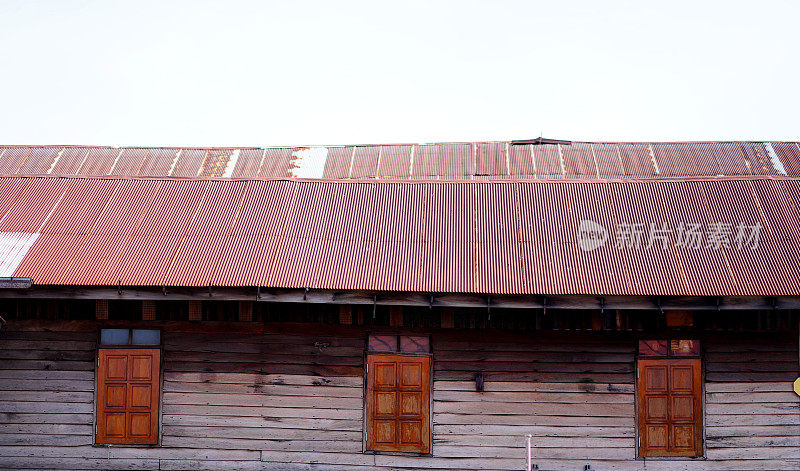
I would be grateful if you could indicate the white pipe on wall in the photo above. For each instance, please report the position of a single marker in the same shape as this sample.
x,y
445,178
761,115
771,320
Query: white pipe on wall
x,y
529,436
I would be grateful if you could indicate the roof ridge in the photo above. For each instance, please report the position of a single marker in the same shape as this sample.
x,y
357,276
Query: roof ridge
x,y
306,146
707,178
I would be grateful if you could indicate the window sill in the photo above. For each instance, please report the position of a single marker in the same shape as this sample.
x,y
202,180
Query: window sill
x,y
397,453
124,445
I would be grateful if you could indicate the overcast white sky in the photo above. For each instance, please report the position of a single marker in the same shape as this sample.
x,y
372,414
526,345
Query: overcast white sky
x,y
258,73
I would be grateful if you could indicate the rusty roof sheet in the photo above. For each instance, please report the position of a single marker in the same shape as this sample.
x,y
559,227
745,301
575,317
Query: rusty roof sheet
x,y
491,237
444,161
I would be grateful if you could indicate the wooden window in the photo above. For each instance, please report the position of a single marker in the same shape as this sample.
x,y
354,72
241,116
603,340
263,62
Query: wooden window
x,y
670,411
128,395
398,403
398,393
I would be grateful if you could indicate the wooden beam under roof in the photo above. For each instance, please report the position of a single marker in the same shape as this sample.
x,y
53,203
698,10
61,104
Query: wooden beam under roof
x,y
312,296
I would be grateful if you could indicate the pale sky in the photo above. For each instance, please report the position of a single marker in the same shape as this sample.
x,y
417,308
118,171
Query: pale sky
x,y
259,73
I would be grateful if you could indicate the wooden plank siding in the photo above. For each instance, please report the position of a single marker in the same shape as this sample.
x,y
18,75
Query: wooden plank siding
x,y
290,396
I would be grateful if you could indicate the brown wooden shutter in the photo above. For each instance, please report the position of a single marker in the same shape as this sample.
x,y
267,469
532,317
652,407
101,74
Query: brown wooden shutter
x,y
398,403
128,395
670,407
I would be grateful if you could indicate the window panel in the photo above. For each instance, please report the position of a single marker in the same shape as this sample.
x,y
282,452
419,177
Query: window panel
x,y
385,432
415,344
115,425
657,436
684,347
410,433
140,425
382,343
385,403
390,343
683,436
114,336
115,395
653,347
130,337
146,337
116,367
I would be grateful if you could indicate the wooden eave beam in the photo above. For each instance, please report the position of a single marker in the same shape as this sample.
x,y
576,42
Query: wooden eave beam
x,y
312,296
14,283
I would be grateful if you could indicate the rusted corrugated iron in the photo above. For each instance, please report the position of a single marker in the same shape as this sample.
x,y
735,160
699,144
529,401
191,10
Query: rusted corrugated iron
x,y
70,161
521,161
547,160
456,161
345,251
789,154
579,161
475,237
216,162
11,189
498,261
491,159
447,161
398,236
424,164
249,250
190,162
202,244
448,238
66,228
364,162
609,163
39,161
637,160
32,208
158,162
276,163
756,158
129,161
731,159
337,163
248,163
395,162
99,161
97,261
12,158
153,245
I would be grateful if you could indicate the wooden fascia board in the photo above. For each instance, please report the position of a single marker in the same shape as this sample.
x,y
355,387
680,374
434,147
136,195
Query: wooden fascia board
x,y
572,302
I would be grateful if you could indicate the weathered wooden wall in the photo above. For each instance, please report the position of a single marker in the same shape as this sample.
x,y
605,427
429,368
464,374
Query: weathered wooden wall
x,y
282,396
751,411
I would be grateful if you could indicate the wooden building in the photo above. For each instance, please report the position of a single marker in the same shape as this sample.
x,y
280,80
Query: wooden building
x,y
617,306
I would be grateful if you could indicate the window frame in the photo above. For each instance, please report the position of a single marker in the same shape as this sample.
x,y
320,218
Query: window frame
x,y
700,448
366,421
96,392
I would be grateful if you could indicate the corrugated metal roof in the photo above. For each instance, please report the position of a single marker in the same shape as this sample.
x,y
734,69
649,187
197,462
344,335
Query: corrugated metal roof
x,y
492,237
445,161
